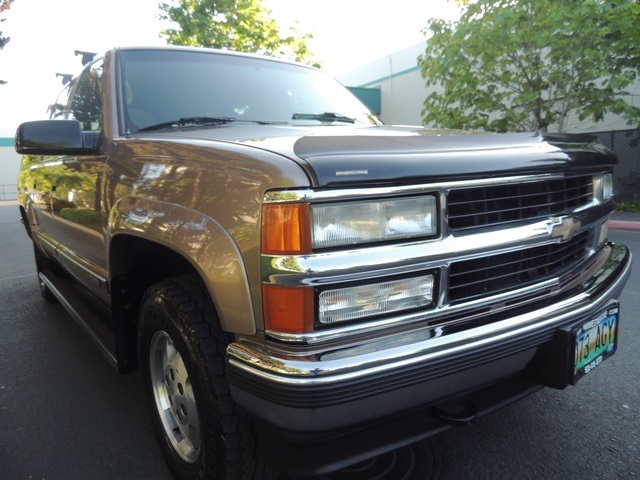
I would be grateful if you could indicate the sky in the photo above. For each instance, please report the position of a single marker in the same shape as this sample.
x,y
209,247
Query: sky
x,y
45,33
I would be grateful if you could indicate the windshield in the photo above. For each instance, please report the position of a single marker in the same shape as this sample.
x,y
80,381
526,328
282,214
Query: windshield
x,y
162,88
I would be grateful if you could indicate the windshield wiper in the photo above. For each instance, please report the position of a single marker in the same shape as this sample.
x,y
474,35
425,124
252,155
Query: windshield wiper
x,y
323,117
188,122
263,122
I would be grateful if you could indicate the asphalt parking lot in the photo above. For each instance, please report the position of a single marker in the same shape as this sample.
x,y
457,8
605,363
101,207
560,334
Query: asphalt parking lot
x,y
65,414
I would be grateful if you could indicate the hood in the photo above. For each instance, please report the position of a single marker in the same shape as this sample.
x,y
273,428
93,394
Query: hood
x,y
382,154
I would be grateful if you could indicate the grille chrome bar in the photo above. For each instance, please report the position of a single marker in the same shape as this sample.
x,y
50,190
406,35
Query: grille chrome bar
x,y
489,206
493,274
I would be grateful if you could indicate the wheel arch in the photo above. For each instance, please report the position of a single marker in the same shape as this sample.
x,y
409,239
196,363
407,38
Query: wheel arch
x,y
24,218
150,241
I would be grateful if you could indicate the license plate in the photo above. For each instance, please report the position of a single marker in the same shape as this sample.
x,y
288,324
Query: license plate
x,y
595,341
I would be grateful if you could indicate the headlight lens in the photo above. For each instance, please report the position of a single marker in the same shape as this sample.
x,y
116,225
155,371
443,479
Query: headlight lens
x,y
351,223
364,301
607,186
604,187
604,233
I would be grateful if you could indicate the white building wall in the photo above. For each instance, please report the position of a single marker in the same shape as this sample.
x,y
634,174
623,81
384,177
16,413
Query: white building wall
x,y
9,169
403,92
399,80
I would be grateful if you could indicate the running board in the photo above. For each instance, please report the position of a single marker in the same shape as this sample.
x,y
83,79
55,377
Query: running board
x,y
80,312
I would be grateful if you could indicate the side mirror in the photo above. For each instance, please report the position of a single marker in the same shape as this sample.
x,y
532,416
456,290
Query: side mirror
x,y
55,137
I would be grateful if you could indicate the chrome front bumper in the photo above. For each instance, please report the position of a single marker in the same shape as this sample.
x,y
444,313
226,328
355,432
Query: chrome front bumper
x,y
423,365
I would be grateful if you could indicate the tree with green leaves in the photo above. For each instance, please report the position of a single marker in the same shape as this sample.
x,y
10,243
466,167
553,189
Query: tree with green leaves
x,y
240,25
509,65
4,5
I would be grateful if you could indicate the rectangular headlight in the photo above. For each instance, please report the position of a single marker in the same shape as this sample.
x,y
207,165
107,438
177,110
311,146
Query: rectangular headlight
x,y
604,232
358,222
607,186
603,187
365,301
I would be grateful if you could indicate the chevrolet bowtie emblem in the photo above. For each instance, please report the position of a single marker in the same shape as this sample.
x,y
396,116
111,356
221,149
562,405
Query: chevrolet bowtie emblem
x,y
564,227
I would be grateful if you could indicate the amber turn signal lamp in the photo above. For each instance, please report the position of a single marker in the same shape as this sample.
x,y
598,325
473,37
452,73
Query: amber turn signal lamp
x,y
286,229
288,309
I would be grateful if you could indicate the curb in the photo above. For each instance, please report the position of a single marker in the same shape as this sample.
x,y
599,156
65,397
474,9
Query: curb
x,y
623,225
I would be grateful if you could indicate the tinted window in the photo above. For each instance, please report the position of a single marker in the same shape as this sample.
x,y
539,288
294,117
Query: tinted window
x,y
60,108
164,86
86,103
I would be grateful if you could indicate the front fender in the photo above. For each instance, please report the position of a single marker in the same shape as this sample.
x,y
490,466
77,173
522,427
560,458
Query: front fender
x,y
199,239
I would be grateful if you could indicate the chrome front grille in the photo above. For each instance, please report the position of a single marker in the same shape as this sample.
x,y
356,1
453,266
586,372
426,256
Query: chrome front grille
x,y
493,274
487,206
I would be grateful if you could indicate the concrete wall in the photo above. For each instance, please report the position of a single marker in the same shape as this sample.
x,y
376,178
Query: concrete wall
x,y
403,91
399,80
9,169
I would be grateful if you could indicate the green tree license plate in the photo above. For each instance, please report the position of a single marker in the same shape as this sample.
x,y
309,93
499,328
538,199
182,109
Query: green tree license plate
x,y
595,341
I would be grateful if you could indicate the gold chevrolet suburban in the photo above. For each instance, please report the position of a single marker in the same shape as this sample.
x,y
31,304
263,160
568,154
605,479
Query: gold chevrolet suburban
x,y
301,286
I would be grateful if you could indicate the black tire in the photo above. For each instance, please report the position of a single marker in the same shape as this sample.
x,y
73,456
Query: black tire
x,y
41,263
181,350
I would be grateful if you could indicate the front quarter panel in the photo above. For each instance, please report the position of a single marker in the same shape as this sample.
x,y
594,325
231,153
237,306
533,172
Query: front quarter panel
x,y
203,242
203,200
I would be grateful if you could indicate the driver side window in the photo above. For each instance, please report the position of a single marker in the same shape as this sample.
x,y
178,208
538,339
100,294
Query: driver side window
x,y
86,101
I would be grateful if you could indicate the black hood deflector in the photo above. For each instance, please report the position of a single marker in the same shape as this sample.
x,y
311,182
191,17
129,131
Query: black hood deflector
x,y
405,158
